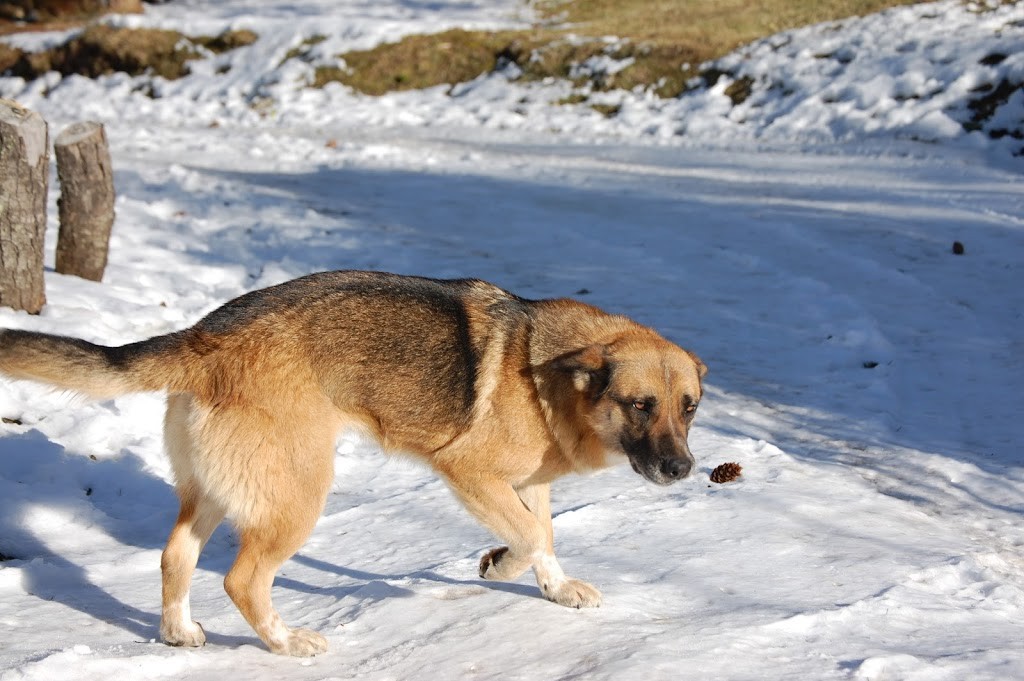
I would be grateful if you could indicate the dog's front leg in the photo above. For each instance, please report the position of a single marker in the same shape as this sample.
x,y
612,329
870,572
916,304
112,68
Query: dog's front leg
x,y
497,564
523,521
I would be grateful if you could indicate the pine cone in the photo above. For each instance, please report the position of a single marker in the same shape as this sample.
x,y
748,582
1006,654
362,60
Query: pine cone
x,y
727,472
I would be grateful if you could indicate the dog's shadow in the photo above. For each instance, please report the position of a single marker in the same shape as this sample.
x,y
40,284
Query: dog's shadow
x,y
119,497
383,586
42,486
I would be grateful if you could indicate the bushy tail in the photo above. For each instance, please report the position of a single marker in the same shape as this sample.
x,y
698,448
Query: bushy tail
x,y
93,370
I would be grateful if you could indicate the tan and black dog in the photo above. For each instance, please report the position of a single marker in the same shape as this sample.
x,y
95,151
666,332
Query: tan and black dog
x,y
498,394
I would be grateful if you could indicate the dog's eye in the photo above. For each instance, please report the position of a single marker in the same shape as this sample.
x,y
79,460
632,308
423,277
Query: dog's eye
x,y
642,405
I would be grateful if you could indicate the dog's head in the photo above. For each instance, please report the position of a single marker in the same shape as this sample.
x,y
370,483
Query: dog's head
x,y
639,394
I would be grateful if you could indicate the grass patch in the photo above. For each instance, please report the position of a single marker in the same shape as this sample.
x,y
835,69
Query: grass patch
x,y
574,98
740,89
716,27
18,16
666,42
607,110
100,50
9,56
419,61
302,51
227,41
541,58
985,6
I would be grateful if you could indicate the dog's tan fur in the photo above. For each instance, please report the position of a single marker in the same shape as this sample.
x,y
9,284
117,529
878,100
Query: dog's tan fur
x,y
498,394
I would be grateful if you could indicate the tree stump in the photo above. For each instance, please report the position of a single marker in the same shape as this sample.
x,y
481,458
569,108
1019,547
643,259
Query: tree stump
x,y
24,177
86,204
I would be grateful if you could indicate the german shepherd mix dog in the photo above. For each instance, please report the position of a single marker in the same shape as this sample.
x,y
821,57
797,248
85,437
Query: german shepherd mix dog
x,y
498,394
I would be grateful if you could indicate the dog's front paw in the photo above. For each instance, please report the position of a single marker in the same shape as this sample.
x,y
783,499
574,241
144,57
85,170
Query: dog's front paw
x,y
572,593
500,565
190,635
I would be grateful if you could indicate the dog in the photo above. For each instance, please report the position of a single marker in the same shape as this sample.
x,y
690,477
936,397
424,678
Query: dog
x,y
500,395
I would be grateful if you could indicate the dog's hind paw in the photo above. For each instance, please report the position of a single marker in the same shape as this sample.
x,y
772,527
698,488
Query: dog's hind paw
x,y
189,635
489,562
572,593
500,565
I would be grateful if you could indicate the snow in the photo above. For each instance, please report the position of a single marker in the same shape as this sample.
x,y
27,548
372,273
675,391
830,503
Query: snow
x,y
792,242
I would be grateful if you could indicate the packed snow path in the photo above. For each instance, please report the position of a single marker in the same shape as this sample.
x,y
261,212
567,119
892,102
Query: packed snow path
x,y
877,523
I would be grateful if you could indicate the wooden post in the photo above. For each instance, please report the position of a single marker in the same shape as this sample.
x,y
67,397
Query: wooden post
x,y
86,204
24,177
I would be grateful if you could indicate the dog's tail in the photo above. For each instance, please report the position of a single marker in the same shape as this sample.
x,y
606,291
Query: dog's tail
x,y
96,371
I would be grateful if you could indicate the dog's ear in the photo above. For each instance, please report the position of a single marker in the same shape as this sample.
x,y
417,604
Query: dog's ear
x,y
588,367
702,368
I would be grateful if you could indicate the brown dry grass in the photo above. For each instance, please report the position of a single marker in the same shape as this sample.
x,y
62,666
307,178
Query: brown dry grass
x,y
18,16
667,40
419,61
102,49
716,27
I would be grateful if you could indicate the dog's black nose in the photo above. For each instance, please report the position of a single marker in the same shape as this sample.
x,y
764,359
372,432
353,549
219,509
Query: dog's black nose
x,y
676,469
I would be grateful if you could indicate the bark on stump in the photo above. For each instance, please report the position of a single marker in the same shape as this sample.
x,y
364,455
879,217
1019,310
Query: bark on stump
x,y
24,176
86,203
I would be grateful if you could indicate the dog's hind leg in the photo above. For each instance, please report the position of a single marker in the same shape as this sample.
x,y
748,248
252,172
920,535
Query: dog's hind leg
x,y
198,518
289,460
263,551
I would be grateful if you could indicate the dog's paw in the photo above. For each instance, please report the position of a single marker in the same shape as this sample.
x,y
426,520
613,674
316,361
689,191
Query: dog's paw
x,y
301,643
489,562
572,593
189,635
499,565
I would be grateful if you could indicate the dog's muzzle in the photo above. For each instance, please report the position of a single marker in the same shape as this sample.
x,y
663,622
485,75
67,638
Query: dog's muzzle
x,y
664,471
676,469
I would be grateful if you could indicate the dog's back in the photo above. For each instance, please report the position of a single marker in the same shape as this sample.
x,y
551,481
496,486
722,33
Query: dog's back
x,y
362,338
319,317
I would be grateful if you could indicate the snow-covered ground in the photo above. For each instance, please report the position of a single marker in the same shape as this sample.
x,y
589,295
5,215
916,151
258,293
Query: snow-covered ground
x,y
877,530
